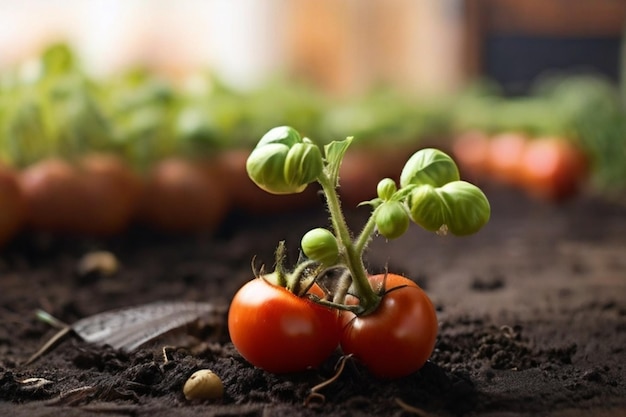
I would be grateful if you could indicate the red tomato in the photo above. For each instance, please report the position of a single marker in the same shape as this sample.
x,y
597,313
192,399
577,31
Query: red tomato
x,y
359,173
54,196
505,156
280,332
471,150
364,166
553,168
180,197
111,190
399,337
13,207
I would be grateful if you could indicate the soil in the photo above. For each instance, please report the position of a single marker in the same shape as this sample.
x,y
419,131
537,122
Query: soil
x,y
532,316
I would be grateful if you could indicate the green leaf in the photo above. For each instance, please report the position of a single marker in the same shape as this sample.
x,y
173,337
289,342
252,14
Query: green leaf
x,y
334,152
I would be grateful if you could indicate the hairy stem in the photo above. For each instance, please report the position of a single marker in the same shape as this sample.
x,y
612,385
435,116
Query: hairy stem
x,y
352,254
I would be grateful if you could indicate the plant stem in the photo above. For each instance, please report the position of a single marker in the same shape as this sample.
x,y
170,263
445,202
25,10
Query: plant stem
x,y
366,234
352,254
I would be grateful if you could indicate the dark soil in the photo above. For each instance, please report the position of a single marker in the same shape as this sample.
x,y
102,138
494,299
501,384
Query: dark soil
x,y
532,320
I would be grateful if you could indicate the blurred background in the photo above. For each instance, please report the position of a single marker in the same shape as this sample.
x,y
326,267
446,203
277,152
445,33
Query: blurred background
x,y
428,46
525,92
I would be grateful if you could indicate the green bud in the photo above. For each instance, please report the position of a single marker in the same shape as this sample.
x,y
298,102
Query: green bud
x,y
458,207
284,135
392,219
470,207
320,245
429,166
386,188
283,162
303,163
427,208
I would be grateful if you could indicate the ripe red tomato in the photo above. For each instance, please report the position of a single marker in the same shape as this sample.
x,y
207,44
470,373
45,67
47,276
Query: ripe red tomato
x,y
280,332
53,192
179,197
471,150
505,156
111,191
553,168
362,167
13,205
399,337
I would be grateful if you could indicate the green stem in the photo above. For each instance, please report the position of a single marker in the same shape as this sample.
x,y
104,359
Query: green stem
x,y
366,234
352,254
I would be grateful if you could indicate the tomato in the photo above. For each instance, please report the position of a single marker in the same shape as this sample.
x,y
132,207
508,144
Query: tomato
x,y
359,174
111,190
280,332
471,150
13,206
53,193
399,336
96,196
553,168
505,156
364,166
179,197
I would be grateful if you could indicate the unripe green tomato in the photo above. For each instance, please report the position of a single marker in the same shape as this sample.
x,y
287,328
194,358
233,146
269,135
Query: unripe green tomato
x,y
320,245
470,209
386,188
392,219
426,208
429,166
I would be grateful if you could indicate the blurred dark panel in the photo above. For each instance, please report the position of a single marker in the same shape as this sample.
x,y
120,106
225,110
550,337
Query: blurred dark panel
x,y
515,61
514,41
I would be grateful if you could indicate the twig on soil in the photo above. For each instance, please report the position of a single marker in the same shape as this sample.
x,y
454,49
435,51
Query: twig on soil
x,y
413,410
54,322
315,395
33,384
165,351
73,396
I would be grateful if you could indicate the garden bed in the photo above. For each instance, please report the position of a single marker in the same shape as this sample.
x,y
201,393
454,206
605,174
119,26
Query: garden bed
x,y
532,314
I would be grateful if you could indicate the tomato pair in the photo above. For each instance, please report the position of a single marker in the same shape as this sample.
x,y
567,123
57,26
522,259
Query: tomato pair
x,y
281,332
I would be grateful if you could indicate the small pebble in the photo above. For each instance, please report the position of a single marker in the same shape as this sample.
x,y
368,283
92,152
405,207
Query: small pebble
x,y
203,385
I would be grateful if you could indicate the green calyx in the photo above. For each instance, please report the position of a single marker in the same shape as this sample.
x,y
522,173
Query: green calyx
x,y
283,162
298,281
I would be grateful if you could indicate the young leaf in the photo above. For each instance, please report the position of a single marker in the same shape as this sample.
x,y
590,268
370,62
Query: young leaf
x,y
334,152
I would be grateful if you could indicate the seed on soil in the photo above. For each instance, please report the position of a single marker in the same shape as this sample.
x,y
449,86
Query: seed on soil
x,y
203,385
98,262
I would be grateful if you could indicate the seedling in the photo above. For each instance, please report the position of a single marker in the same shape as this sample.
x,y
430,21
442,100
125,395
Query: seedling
x,y
386,321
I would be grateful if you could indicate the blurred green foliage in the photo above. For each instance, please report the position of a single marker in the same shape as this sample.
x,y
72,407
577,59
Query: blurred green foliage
x,y
49,106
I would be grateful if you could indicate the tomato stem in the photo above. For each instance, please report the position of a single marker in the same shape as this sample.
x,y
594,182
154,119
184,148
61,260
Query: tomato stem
x,y
351,253
366,233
